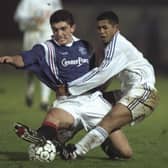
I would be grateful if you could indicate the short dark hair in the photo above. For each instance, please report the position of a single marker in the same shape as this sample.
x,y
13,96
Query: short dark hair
x,y
62,15
108,15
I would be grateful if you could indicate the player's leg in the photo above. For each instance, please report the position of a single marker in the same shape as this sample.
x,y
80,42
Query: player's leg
x,y
63,115
132,108
64,135
116,146
30,87
55,120
115,119
93,108
45,95
137,104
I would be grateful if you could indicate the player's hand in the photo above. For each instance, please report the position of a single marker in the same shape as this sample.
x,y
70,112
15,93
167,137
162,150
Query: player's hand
x,y
62,90
6,60
68,152
16,61
41,17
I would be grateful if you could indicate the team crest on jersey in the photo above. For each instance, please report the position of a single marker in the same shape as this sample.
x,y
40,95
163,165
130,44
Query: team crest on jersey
x,y
82,50
64,53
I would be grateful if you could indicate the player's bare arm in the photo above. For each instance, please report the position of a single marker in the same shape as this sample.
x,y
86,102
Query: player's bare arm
x,y
16,60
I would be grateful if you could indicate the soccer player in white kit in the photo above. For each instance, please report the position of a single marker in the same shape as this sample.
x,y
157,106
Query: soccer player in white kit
x,y
33,19
139,95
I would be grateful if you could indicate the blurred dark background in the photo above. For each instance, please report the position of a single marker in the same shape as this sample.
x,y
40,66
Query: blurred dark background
x,y
144,22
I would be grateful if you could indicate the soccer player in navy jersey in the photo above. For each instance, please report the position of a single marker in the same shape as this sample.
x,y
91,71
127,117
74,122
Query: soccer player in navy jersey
x,y
56,62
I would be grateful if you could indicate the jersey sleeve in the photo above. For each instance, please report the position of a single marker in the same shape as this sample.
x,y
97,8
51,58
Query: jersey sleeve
x,y
33,56
114,62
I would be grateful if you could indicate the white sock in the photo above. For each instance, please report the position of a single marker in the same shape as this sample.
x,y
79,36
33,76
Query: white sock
x,y
91,140
45,93
30,90
30,85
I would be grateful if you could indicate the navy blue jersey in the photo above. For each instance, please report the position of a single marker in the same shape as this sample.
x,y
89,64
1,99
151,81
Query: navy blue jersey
x,y
54,64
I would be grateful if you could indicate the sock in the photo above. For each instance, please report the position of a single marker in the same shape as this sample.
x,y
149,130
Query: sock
x,y
45,93
30,85
91,140
47,130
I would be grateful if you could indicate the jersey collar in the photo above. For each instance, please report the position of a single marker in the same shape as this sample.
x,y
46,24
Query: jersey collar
x,y
74,39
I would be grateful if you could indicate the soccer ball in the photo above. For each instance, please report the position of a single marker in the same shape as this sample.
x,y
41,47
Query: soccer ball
x,y
43,153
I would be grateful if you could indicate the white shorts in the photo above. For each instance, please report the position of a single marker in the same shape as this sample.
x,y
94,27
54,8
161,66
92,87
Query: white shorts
x,y
141,102
87,110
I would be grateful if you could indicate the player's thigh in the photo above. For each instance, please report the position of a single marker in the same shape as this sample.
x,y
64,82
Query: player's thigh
x,y
94,109
116,118
140,102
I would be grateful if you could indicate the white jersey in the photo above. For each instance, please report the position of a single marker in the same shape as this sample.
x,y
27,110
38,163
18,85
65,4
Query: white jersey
x,y
121,59
26,14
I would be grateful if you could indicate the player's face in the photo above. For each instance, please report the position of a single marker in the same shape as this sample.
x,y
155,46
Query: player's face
x,y
63,32
106,30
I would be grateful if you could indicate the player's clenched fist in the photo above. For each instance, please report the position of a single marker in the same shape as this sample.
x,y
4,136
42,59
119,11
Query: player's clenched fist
x,y
6,59
16,61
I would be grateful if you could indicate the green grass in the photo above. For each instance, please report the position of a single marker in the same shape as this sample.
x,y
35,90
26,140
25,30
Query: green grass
x,y
149,139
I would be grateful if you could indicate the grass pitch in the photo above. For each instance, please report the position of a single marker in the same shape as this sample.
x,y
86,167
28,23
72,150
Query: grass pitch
x,y
149,139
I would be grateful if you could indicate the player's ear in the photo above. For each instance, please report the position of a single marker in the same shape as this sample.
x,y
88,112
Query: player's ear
x,y
73,28
117,26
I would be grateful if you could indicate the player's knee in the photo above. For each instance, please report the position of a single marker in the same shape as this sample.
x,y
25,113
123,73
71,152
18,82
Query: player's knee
x,y
114,153
127,153
52,117
60,118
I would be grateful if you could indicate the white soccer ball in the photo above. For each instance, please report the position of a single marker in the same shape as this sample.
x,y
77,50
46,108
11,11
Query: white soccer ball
x,y
45,153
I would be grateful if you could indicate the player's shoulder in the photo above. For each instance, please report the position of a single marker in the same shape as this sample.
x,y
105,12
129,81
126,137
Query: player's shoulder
x,y
87,45
85,42
48,45
123,39
120,43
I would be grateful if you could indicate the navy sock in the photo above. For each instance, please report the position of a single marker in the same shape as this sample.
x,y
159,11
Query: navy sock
x,y
48,131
